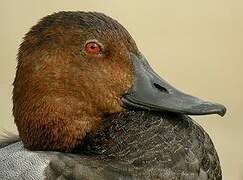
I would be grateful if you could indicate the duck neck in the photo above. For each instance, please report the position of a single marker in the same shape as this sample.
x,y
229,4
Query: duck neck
x,y
53,122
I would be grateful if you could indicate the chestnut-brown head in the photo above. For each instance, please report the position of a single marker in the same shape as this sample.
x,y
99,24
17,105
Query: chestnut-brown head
x,y
76,67
72,69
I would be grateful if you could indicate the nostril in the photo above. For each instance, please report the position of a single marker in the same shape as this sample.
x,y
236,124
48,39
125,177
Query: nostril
x,y
162,89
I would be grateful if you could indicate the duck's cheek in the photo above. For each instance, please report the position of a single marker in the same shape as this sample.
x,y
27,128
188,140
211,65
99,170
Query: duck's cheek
x,y
108,94
109,102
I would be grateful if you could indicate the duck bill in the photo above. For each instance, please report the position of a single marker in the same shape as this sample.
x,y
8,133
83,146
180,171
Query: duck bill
x,y
151,92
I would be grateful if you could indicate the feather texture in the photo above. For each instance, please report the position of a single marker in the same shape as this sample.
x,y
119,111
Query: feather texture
x,y
130,145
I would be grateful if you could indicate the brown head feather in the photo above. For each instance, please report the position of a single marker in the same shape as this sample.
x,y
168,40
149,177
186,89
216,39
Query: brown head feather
x,y
60,92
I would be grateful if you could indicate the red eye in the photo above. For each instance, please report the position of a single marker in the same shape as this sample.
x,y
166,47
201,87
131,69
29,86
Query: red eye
x,y
92,47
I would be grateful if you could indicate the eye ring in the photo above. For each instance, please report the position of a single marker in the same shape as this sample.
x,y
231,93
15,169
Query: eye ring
x,y
92,47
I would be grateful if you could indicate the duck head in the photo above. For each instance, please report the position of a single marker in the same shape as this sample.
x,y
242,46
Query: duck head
x,y
73,69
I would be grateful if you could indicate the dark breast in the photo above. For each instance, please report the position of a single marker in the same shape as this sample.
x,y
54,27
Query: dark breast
x,y
131,145
142,145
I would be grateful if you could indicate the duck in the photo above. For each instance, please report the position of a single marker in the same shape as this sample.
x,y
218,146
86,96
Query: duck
x,y
87,105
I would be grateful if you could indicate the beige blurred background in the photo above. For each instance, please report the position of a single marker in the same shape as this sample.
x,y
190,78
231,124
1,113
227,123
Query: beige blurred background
x,y
195,45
